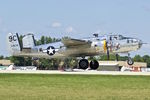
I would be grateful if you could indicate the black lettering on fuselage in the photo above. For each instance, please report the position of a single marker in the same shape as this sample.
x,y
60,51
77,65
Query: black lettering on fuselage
x,y
12,38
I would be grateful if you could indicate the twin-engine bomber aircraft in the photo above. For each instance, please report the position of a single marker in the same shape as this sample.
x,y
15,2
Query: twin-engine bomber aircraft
x,y
69,47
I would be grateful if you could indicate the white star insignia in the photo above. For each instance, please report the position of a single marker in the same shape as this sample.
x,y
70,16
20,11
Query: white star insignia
x,y
51,51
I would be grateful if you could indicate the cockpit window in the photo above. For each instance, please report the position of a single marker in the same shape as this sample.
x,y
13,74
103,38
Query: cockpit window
x,y
110,38
120,37
131,41
117,37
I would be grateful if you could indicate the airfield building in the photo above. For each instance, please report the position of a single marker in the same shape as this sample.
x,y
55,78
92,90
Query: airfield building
x,y
117,65
5,62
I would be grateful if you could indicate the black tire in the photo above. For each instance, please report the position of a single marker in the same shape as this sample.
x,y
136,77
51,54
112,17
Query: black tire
x,y
83,64
130,61
94,64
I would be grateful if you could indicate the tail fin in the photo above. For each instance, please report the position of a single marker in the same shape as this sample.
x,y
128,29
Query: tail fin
x,y
13,43
28,41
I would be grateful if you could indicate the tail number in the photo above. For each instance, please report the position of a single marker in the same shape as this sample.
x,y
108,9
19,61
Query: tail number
x,y
12,38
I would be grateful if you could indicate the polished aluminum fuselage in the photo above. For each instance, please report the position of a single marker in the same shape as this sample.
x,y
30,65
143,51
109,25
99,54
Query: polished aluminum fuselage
x,y
96,47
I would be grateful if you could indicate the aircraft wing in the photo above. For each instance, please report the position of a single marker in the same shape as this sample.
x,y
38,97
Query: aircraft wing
x,y
69,42
39,55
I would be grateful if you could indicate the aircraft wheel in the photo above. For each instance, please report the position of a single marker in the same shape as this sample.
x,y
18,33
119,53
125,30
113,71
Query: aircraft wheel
x,y
94,64
130,61
83,64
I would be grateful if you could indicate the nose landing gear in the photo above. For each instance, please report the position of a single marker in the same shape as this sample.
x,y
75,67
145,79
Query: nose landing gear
x,y
130,60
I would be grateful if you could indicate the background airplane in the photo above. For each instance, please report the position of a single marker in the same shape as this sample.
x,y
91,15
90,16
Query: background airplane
x,y
69,47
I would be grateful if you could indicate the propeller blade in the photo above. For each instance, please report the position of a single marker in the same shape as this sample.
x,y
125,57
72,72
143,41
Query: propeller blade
x,y
144,43
106,49
108,55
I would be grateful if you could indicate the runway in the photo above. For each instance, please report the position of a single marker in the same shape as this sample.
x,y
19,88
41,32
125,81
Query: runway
x,y
74,73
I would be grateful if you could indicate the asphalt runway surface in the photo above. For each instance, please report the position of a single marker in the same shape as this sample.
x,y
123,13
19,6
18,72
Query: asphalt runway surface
x,y
90,72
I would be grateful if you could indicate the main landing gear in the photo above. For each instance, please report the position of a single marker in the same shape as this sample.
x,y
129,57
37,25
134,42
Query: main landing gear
x,y
84,64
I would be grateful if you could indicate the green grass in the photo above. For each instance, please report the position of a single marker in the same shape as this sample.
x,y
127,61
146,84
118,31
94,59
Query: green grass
x,y
73,87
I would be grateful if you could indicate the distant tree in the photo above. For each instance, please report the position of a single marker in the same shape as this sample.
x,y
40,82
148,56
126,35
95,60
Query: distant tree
x,y
7,58
38,42
138,58
28,61
48,40
18,61
56,62
47,64
105,58
42,40
123,58
43,64
21,61
94,58
146,59
1,57
66,37
70,62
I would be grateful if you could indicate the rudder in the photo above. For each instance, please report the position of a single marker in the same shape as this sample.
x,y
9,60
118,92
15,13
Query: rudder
x,y
13,42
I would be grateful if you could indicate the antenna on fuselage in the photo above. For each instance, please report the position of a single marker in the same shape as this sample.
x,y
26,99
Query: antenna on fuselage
x,y
95,34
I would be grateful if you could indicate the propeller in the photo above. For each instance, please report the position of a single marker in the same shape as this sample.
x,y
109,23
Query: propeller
x,y
108,54
106,49
142,43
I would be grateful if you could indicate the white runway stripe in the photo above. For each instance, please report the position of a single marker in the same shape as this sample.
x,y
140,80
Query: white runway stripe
x,y
80,73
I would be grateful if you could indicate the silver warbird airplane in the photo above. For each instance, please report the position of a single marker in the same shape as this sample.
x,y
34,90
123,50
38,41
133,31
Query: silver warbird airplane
x,y
69,47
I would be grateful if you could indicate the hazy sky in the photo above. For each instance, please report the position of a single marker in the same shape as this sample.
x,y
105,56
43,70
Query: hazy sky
x,y
75,18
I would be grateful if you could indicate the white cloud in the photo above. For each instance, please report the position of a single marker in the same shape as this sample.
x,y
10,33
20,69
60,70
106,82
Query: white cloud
x,y
69,29
146,8
56,24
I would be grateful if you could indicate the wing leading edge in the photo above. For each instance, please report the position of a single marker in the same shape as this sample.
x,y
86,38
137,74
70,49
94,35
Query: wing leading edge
x,y
75,42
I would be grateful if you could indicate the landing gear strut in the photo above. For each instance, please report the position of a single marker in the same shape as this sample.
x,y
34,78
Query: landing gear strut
x,y
117,57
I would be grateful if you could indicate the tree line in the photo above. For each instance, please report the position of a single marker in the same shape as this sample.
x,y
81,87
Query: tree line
x,y
45,64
